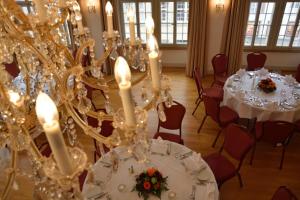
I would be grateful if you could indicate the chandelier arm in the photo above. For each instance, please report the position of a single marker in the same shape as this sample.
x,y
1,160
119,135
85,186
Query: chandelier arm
x,y
79,53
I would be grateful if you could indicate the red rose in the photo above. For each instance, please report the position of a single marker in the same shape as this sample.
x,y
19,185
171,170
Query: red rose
x,y
151,171
147,185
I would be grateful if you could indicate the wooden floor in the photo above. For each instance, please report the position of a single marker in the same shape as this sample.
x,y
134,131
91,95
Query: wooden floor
x,y
260,180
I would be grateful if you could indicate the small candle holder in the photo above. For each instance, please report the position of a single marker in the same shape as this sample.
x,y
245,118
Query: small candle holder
x,y
171,195
79,162
121,187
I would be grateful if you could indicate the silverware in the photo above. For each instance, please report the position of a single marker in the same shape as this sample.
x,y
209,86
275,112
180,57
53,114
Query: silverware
x,y
185,155
169,149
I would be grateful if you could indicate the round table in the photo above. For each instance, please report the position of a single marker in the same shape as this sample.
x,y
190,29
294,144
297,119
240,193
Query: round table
x,y
242,94
180,180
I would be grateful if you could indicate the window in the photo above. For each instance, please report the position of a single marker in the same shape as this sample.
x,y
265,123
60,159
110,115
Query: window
x,y
170,17
142,11
268,31
288,25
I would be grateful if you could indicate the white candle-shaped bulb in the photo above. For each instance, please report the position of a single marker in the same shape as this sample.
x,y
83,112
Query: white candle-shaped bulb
x,y
40,7
109,11
123,77
15,98
131,26
154,62
149,25
48,117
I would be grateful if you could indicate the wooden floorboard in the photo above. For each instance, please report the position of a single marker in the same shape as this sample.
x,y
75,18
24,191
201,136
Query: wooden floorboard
x,y
260,180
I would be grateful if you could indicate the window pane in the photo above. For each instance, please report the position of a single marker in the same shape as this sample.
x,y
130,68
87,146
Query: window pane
x,y
251,22
167,19
296,42
125,8
264,23
145,10
182,21
288,24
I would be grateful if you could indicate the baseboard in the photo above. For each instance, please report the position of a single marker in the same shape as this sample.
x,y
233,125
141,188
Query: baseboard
x,y
181,65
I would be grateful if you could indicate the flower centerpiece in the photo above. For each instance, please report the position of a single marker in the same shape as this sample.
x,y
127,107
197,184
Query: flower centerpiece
x,y
150,182
267,85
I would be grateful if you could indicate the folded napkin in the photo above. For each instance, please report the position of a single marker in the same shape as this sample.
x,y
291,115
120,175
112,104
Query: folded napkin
x,y
159,146
194,162
241,72
272,105
241,94
262,72
289,79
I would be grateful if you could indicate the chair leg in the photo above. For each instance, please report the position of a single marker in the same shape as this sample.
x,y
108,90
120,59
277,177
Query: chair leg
x,y
282,157
214,143
252,154
197,106
240,179
197,100
203,120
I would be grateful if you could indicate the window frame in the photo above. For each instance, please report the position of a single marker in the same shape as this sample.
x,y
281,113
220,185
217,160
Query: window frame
x,y
156,15
274,29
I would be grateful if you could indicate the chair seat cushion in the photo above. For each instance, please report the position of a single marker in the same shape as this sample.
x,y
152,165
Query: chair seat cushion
x,y
169,136
222,168
215,92
227,116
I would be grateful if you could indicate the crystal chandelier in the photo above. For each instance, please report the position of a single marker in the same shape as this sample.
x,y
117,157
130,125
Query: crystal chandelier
x,y
50,93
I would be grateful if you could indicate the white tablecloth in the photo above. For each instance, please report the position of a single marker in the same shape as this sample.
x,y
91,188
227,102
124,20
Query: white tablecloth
x,y
180,180
242,95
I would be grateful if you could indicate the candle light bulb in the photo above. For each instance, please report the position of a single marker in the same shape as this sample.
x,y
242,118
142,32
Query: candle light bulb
x,y
108,8
149,25
76,6
15,98
46,109
130,15
152,45
122,71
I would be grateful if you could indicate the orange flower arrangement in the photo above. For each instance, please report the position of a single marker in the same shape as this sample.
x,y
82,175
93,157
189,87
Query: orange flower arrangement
x,y
267,85
149,182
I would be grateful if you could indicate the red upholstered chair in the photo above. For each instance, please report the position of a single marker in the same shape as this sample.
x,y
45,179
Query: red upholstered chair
x,y
82,178
274,132
256,60
237,143
197,77
217,90
220,66
106,130
12,68
297,76
283,193
222,115
174,117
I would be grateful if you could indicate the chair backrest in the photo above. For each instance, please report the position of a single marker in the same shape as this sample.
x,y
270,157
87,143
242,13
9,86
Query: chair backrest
x,y
256,60
82,178
277,131
298,74
12,68
212,106
237,141
220,64
197,76
106,127
283,193
174,116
